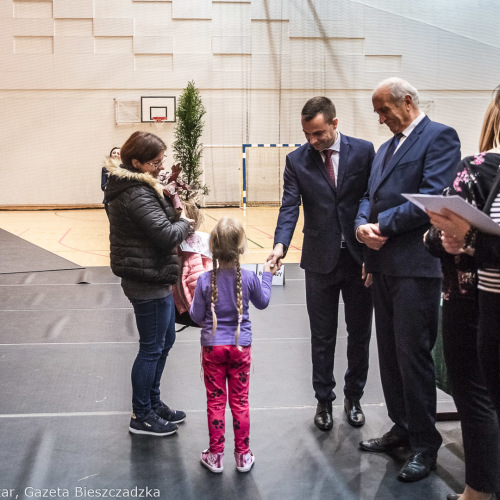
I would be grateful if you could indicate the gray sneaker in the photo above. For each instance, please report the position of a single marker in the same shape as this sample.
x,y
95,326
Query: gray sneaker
x,y
152,425
174,416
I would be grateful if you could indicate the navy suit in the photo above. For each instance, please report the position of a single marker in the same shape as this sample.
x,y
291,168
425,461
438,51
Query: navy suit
x,y
329,213
407,279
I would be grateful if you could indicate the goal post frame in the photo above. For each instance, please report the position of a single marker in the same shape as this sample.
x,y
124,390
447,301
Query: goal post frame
x,y
244,164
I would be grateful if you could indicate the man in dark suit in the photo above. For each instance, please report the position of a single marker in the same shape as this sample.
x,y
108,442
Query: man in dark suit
x,y
420,158
329,175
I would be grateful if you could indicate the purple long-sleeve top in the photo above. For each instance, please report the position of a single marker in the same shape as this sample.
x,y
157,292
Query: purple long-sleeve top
x,y
225,308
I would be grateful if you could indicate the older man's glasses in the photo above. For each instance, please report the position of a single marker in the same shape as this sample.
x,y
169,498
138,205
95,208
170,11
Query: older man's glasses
x,y
157,164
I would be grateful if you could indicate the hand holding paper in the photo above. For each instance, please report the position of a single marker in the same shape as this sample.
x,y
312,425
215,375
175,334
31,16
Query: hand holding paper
x,y
457,205
449,222
453,230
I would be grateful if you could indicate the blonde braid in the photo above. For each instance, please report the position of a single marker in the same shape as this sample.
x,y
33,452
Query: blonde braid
x,y
239,303
214,296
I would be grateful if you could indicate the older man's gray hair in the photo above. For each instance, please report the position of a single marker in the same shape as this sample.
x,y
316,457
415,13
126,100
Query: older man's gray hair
x,y
398,89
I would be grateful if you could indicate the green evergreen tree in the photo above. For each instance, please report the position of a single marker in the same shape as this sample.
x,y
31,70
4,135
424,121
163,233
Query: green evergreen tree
x,y
187,146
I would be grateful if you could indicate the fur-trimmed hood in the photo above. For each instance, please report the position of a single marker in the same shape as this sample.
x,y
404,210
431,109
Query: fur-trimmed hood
x,y
121,177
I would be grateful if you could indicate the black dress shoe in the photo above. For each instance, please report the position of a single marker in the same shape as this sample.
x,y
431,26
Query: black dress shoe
x,y
323,419
387,442
417,467
355,415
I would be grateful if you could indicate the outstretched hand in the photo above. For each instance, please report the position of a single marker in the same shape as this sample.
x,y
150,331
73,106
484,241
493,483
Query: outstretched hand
x,y
269,269
274,259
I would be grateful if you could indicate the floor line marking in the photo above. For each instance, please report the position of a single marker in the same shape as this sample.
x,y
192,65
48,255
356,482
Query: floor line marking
x,y
293,304
119,413
71,309
77,249
44,344
116,413
59,284
251,241
271,237
125,342
255,243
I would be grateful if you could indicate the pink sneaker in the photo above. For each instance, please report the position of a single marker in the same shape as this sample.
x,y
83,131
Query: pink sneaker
x,y
213,461
244,461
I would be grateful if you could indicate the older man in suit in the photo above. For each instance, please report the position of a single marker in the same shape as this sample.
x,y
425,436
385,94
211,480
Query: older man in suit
x,y
329,175
420,158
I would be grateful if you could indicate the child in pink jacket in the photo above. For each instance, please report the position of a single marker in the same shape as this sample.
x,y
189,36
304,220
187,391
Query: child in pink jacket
x,y
196,258
193,252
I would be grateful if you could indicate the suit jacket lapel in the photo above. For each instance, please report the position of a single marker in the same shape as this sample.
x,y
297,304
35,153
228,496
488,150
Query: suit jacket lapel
x,y
377,166
317,161
343,160
400,153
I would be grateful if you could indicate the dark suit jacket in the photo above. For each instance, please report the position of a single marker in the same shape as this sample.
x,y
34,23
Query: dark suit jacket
x,y
328,212
425,163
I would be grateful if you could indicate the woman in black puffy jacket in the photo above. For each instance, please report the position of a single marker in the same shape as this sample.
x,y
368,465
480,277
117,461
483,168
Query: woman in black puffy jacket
x,y
144,233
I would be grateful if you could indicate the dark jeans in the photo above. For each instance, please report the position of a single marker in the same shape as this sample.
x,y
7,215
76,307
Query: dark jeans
x,y
156,324
480,432
322,298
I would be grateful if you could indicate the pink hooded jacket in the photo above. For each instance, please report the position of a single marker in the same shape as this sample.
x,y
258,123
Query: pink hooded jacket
x,y
194,265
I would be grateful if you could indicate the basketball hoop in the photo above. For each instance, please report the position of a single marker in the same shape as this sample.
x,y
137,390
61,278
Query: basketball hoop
x,y
159,121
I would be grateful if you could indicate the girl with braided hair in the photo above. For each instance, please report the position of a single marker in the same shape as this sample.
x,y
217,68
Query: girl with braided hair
x,y
220,306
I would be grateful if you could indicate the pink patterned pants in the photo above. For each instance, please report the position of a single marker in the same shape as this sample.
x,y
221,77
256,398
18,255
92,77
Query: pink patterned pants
x,y
223,363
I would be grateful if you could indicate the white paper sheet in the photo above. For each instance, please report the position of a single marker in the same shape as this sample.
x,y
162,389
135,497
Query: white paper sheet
x,y
456,204
197,243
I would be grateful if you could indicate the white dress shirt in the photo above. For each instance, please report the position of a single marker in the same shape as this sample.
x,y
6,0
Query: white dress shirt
x,y
408,130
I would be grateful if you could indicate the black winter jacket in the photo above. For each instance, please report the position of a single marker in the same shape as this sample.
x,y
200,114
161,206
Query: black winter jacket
x,y
143,231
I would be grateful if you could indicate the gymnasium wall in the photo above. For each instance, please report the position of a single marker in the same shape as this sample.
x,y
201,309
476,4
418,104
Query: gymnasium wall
x,y
64,65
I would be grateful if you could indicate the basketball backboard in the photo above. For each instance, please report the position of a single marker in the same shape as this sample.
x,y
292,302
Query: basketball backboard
x,y
154,107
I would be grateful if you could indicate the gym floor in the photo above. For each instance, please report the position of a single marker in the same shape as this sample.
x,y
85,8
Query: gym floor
x,y
67,343
82,236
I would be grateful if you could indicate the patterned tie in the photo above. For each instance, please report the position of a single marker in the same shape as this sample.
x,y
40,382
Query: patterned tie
x,y
329,164
392,147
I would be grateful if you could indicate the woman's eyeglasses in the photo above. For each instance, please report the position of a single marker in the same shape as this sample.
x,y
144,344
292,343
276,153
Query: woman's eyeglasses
x,y
157,164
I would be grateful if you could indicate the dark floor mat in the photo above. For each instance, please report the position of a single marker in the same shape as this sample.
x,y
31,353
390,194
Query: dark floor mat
x,y
40,297
64,277
293,460
67,344
21,256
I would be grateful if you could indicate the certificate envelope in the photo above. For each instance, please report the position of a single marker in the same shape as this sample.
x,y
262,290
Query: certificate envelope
x,y
435,202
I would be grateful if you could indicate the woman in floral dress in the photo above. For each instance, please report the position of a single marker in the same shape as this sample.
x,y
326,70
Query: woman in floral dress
x,y
471,323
